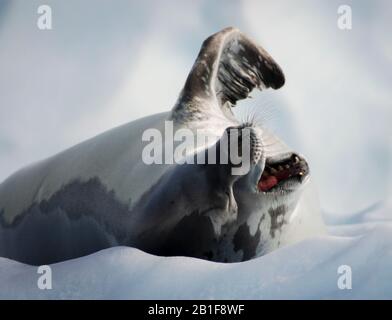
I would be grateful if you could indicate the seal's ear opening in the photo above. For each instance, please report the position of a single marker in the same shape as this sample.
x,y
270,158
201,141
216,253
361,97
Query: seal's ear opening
x,y
229,66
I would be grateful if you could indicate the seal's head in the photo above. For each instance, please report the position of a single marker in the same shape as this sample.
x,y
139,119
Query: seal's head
x,y
267,196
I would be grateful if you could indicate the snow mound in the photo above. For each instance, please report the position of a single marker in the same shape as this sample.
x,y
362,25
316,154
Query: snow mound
x,y
306,270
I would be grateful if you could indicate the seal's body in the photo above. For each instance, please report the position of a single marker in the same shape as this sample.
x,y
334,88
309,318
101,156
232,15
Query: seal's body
x,y
102,193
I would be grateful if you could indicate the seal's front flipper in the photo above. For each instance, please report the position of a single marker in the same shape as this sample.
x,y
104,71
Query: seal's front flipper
x,y
228,67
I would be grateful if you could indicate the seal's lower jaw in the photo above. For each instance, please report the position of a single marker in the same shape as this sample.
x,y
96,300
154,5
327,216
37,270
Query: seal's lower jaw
x,y
283,175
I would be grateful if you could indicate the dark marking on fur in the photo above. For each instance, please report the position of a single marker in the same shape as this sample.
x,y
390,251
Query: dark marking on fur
x,y
275,214
209,255
88,198
75,221
192,236
244,241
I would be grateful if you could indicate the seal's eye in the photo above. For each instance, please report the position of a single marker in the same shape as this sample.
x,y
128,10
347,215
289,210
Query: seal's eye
x,y
276,173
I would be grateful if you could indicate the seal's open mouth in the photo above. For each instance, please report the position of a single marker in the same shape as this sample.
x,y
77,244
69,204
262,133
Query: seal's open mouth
x,y
277,173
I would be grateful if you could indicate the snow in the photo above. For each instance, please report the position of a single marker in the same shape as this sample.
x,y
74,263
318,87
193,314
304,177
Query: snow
x,y
306,270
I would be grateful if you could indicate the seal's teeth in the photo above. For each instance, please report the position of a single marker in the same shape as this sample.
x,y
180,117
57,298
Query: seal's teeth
x,y
296,159
301,173
273,170
280,168
287,166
